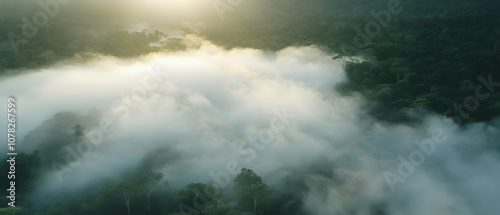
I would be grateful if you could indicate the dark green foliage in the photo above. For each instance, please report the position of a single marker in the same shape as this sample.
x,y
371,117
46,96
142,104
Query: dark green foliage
x,y
428,58
432,46
251,191
26,172
418,62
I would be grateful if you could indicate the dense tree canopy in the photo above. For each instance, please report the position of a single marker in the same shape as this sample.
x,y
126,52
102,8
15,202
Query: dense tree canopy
x,y
436,56
428,56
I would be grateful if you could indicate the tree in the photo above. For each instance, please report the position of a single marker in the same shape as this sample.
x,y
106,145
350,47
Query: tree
x,y
126,189
192,197
400,73
344,59
47,55
55,211
150,182
250,189
26,172
218,207
9,210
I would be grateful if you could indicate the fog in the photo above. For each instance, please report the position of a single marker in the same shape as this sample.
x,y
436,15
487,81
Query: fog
x,y
274,112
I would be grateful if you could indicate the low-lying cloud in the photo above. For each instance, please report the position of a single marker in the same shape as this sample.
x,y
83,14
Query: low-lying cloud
x,y
197,110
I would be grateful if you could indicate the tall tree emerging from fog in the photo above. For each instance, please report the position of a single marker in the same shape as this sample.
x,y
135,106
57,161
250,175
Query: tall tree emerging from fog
x,y
251,191
126,190
150,182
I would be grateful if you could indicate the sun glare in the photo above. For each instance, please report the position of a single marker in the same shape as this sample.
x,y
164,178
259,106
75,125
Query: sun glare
x,y
178,8
177,4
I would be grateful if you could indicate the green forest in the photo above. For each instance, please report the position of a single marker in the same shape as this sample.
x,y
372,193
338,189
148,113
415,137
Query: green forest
x,y
405,58
428,56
